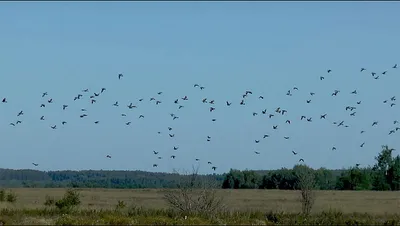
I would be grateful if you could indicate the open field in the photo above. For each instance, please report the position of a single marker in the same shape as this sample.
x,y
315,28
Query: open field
x,y
373,202
249,206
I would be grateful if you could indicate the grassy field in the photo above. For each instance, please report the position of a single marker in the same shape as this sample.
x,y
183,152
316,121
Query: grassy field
x,y
251,205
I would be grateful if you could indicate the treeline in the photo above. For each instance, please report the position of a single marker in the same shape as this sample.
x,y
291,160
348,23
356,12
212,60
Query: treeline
x,y
94,179
384,175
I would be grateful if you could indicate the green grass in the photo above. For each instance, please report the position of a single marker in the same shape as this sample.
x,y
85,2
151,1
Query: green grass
x,y
257,207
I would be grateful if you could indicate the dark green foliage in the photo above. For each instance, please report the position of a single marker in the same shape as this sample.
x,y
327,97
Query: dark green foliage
x,y
71,199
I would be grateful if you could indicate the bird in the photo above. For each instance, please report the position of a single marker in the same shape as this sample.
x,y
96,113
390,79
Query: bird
x,y
362,69
20,113
257,153
35,164
301,160
214,168
53,127
108,156
120,76
294,153
395,66
65,106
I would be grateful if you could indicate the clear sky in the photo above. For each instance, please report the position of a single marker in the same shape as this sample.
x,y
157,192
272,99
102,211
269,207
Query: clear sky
x,y
227,47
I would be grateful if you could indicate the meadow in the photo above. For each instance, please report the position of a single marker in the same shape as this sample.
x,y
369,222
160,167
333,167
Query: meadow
x,y
244,206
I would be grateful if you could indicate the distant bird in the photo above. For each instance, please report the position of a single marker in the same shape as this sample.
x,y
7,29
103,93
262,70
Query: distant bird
x,y
257,141
212,109
214,168
228,104
50,101
329,70
257,152
63,122
120,76
116,104
265,136
301,160
128,123
173,156
395,66
176,148
362,145
42,118
102,90
333,148
65,106
155,165
141,116
155,152
35,164
108,156
96,122
42,105
362,69
20,113
44,94
294,153
354,92
287,138
209,163
375,123
261,97
53,127
321,78
323,116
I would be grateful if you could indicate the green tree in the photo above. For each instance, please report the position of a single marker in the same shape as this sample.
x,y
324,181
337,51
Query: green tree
x,y
381,178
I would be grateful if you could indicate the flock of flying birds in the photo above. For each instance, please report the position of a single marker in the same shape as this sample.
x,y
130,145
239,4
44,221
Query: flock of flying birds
x,y
179,102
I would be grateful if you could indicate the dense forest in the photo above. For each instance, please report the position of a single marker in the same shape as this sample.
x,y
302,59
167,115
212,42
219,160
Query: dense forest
x,y
384,175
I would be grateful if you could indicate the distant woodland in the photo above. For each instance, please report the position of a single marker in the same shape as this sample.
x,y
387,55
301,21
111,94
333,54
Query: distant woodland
x,y
384,175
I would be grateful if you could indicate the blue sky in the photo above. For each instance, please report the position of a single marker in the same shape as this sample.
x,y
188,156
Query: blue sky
x,y
227,47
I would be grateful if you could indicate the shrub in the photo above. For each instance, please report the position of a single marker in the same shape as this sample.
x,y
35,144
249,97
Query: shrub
x,y
71,199
2,195
50,201
11,197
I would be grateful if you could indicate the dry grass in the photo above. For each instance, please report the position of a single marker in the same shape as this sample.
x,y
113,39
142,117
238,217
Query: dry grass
x,y
370,202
